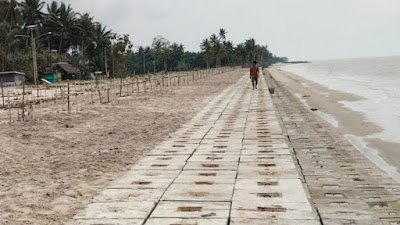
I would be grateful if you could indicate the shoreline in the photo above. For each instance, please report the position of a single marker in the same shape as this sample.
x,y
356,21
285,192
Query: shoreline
x,y
355,126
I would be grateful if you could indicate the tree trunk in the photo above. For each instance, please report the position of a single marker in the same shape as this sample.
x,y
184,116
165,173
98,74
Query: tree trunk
x,y
3,63
165,65
59,48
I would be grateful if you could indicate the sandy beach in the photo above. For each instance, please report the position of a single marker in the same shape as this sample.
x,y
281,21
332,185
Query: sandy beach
x,y
50,172
352,124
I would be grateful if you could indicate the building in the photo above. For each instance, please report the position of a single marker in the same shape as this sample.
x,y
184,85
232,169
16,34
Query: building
x,y
67,71
12,78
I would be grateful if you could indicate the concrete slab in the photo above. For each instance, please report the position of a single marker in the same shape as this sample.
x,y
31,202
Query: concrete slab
x,y
267,166
129,195
140,183
201,191
267,151
264,210
206,177
205,165
193,210
268,174
238,221
117,210
107,222
159,165
164,159
179,221
214,158
278,159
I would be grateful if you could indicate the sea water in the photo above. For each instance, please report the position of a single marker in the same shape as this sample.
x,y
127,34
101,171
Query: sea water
x,y
376,80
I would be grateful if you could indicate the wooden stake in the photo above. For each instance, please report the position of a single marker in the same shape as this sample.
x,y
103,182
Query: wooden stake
x,y
120,89
9,106
91,92
76,101
108,95
40,108
68,99
137,83
23,100
2,92
98,88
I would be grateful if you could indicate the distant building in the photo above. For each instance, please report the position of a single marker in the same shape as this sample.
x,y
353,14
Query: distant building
x,y
12,78
67,71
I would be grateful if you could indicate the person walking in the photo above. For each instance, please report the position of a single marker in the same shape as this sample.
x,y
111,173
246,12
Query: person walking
x,y
254,72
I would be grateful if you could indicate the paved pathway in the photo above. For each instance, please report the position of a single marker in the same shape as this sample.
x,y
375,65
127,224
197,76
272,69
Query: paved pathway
x,y
229,165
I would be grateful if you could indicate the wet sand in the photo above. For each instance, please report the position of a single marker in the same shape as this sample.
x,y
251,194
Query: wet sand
x,y
352,124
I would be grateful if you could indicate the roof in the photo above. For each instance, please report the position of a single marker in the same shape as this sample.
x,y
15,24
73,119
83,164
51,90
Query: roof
x,y
67,68
12,72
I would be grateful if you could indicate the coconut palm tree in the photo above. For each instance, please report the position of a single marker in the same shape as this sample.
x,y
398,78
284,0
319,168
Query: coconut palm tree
x,y
100,42
8,43
222,36
32,12
205,47
63,26
86,31
250,46
216,49
10,12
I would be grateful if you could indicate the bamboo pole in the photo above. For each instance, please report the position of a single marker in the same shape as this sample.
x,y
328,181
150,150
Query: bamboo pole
x,y
40,109
68,99
98,88
108,95
2,91
91,92
76,101
9,106
137,83
23,100
120,88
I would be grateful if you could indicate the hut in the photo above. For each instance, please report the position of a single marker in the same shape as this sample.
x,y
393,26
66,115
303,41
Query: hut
x,y
67,71
12,78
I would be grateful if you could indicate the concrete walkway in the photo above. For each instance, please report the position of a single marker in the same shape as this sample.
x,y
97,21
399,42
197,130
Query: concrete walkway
x,y
230,165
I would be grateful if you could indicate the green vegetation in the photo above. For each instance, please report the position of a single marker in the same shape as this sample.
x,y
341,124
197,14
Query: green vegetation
x,y
62,34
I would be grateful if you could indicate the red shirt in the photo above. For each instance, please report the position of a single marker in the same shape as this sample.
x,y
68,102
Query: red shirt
x,y
254,70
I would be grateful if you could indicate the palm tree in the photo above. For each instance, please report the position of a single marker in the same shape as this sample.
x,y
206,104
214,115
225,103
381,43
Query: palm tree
x,y
53,9
206,48
86,30
222,36
161,49
100,42
8,43
10,12
241,51
32,12
216,49
250,46
63,25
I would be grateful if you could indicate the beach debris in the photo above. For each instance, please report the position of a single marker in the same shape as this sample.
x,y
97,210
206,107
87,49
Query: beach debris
x,y
314,110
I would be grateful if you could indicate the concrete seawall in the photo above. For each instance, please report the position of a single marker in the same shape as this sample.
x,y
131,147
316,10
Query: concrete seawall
x,y
345,187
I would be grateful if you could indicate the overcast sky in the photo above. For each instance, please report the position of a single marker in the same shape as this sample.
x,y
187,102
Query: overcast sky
x,y
298,29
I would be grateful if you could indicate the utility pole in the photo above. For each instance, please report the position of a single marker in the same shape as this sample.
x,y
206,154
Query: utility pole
x,y
35,70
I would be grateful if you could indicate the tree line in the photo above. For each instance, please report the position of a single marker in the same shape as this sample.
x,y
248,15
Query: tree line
x,y
62,34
